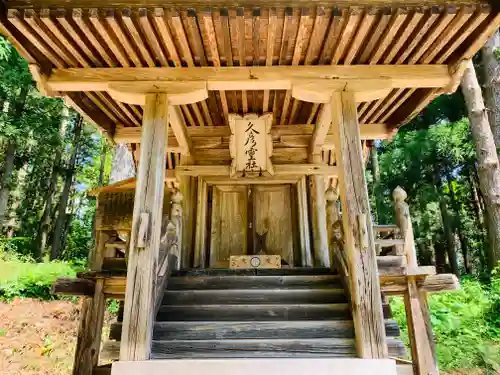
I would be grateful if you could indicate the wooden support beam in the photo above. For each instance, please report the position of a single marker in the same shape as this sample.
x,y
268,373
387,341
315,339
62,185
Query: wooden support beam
x,y
180,130
187,186
358,234
280,170
251,78
212,135
304,231
322,129
89,333
318,220
144,251
419,331
201,224
73,287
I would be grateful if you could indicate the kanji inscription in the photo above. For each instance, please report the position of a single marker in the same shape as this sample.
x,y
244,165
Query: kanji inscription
x,y
251,145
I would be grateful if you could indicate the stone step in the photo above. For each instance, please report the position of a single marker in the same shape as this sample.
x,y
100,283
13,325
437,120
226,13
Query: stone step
x,y
254,330
263,348
251,312
253,296
254,282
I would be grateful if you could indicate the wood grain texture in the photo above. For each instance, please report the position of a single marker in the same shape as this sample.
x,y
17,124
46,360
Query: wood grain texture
x,y
73,287
229,224
279,348
143,264
273,215
201,224
318,220
88,341
253,296
303,221
253,282
299,329
254,312
358,235
420,342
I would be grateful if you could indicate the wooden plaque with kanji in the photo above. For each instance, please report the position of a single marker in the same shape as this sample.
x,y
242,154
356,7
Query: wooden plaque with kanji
x,y
251,145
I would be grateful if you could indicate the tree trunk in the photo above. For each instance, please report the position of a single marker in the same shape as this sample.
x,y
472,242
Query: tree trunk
x,y
6,176
449,235
487,159
479,216
458,225
123,166
491,72
43,228
63,202
9,158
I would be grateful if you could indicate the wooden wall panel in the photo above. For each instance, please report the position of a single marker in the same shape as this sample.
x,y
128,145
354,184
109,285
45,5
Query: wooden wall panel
x,y
273,214
229,224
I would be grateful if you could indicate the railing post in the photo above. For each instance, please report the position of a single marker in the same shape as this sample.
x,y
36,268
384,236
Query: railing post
x,y
176,220
417,311
403,221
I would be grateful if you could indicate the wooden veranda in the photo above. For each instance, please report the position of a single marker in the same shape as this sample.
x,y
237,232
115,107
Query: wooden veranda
x,y
319,79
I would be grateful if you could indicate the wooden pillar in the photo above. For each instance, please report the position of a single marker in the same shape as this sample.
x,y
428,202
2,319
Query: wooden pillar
x,y
176,215
318,212
188,190
88,341
358,234
304,231
142,271
201,225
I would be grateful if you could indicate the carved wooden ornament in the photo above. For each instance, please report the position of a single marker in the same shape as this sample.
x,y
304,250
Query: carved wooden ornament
x,y
251,145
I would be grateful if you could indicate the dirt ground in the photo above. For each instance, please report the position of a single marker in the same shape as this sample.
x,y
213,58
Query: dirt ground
x,y
39,337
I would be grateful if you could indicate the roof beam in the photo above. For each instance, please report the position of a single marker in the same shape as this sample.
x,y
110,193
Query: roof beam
x,y
280,170
322,129
180,130
213,135
327,77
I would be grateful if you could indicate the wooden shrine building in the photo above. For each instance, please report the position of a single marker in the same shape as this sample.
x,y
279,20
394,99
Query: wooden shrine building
x,y
246,244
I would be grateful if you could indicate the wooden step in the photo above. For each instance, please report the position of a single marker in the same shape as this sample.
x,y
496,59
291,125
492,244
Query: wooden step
x,y
254,282
265,348
256,296
299,271
250,312
253,330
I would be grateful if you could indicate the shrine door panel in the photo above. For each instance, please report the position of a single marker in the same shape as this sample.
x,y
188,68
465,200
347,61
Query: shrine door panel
x,y
273,215
229,224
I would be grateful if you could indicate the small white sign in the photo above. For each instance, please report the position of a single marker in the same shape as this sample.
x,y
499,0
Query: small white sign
x,y
251,145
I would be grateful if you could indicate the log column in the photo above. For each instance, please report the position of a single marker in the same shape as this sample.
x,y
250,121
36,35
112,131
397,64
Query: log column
x,y
188,190
146,231
318,217
358,235
332,218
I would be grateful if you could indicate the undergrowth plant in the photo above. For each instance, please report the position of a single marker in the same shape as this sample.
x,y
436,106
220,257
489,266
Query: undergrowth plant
x,y
466,325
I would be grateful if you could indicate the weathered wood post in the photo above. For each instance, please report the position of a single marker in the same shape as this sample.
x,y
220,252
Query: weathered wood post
x,y
140,293
201,224
304,231
417,311
188,191
358,234
176,215
92,316
318,217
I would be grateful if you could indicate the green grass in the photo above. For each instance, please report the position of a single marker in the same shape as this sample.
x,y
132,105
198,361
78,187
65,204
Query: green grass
x,y
466,325
19,278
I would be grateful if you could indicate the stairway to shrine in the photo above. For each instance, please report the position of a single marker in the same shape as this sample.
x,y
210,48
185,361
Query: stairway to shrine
x,y
222,313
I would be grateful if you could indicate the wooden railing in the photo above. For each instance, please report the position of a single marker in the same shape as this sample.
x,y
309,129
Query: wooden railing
x,y
399,273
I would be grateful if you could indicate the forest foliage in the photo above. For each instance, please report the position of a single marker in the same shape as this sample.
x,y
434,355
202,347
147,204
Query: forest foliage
x,y
48,151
